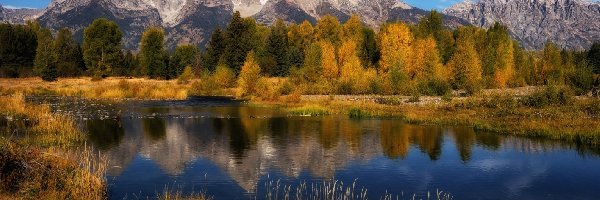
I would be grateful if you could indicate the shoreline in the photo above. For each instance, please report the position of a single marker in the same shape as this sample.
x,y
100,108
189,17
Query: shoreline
x,y
495,110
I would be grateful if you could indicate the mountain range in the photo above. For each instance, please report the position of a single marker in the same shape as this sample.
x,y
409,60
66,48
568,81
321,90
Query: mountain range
x,y
573,24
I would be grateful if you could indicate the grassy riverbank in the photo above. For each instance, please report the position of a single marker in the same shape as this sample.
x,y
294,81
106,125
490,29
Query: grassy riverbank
x,y
528,111
38,159
541,114
108,89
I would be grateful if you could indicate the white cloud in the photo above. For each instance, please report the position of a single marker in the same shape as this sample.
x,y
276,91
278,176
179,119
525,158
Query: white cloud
x,y
15,7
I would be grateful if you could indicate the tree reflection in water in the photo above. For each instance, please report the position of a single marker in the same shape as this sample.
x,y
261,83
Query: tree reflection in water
x,y
246,143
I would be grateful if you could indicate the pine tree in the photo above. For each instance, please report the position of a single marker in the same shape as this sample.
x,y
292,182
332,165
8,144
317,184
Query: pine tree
x,y
214,51
277,46
129,65
18,46
185,56
240,40
45,59
101,47
153,54
593,57
433,26
368,51
69,61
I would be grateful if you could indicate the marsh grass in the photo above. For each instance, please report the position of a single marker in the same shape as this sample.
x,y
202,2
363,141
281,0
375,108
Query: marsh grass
x,y
335,190
37,124
110,88
357,113
309,110
38,158
170,194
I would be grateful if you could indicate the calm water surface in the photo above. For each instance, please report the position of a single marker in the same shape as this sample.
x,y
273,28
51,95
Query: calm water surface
x,y
231,151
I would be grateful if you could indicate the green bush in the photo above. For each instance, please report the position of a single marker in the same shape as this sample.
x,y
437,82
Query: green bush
x,y
434,87
286,88
207,86
550,96
501,101
186,76
376,86
582,80
345,87
593,108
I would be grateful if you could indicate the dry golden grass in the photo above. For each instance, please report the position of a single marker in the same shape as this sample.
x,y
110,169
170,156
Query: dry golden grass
x,y
178,195
37,159
109,88
30,173
37,124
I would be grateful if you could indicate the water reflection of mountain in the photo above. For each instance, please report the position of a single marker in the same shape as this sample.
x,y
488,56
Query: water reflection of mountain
x,y
248,142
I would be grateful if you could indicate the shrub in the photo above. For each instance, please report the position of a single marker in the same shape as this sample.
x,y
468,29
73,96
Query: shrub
x,y
249,76
286,88
186,76
582,80
224,77
434,87
206,86
414,98
501,101
266,90
593,108
345,87
375,86
550,96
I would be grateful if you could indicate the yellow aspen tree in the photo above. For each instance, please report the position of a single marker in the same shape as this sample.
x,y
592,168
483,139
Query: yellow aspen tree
x,y
353,29
505,64
465,67
249,76
425,63
328,28
395,41
301,35
328,61
345,51
415,70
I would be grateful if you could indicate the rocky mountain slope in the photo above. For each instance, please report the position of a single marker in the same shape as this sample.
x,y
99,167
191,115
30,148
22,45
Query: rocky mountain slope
x,y
18,16
574,24
185,21
372,12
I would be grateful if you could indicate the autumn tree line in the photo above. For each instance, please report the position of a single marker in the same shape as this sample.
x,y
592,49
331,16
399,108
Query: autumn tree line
x,y
328,57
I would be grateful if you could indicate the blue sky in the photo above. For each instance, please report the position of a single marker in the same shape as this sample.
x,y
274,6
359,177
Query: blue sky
x,y
424,4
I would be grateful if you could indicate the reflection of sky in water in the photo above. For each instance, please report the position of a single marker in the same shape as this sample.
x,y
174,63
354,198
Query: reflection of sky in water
x,y
228,156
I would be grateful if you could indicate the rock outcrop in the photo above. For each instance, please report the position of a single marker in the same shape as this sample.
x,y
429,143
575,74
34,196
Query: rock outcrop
x,y
573,24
